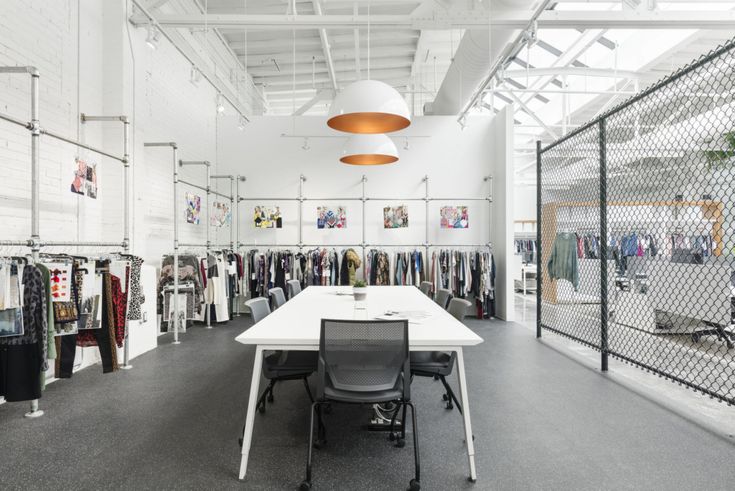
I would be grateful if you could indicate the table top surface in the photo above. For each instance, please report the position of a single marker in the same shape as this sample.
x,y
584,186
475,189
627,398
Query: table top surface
x,y
298,322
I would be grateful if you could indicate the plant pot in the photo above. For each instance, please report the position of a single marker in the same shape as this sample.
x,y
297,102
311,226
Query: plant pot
x,y
360,293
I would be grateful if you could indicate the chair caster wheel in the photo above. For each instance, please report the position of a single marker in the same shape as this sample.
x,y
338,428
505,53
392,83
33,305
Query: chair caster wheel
x,y
449,406
305,486
414,485
469,479
261,409
436,377
400,443
392,437
445,397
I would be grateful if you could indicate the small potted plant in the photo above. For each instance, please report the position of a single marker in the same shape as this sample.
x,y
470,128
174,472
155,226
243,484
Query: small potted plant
x,y
359,290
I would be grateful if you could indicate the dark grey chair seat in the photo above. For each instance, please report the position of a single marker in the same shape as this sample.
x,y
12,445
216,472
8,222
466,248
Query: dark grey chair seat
x,y
294,364
430,363
355,397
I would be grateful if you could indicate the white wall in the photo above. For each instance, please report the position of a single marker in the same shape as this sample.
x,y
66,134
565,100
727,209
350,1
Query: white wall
x,y
92,61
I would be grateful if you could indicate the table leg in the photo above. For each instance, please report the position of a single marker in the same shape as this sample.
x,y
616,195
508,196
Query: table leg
x,y
466,413
247,436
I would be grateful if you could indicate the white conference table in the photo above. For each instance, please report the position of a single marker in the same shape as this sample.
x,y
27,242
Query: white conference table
x,y
296,326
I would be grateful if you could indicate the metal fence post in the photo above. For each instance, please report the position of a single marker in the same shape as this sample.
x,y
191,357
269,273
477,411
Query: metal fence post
x,y
603,245
539,265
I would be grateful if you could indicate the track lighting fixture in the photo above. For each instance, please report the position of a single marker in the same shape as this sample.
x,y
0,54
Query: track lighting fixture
x,y
220,104
152,38
195,75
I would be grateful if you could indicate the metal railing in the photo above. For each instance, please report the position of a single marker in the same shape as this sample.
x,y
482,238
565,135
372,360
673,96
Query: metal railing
x,y
636,236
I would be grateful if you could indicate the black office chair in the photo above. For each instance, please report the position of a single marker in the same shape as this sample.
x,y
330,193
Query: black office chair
x,y
278,297
280,366
438,364
426,287
294,288
363,362
443,297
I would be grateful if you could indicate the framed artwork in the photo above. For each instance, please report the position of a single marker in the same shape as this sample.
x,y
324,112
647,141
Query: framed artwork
x,y
395,217
193,208
221,214
267,217
331,217
85,179
454,217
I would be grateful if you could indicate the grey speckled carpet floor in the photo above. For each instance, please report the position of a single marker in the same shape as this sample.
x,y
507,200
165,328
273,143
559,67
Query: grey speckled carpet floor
x,y
541,421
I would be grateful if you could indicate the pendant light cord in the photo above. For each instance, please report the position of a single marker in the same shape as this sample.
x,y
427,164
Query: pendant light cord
x,y
368,41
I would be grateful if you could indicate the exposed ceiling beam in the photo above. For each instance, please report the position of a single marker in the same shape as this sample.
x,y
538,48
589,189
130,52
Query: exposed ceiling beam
x,y
325,47
285,58
572,71
468,19
531,113
319,96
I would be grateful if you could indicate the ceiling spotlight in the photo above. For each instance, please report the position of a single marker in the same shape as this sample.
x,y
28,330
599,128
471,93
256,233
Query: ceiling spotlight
x,y
195,75
241,123
306,146
152,39
220,104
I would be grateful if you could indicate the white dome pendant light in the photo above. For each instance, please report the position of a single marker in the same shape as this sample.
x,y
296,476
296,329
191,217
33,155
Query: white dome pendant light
x,y
369,106
372,149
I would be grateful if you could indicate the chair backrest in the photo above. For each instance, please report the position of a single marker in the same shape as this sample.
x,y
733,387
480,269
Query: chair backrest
x,y
426,288
278,297
443,297
459,307
294,288
364,356
259,308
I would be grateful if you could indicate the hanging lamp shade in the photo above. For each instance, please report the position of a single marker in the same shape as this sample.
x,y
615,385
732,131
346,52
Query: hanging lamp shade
x,y
369,106
369,150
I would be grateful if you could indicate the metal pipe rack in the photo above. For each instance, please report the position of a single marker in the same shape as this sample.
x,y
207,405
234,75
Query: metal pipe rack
x,y
174,150
364,199
34,242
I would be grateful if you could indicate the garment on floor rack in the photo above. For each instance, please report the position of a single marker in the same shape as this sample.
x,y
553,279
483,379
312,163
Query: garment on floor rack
x,y
526,248
349,265
563,261
189,272
217,286
407,268
377,267
630,244
272,268
23,356
468,274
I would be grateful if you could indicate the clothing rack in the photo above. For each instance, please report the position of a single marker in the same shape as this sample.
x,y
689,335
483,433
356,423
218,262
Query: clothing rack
x,y
34,242
233,197
364,198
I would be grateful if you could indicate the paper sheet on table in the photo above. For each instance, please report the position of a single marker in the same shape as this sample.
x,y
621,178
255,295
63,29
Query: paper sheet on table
x,y
413,316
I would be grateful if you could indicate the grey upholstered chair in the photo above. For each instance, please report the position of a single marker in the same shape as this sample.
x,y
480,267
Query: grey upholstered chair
x,y
280,366
443,297
259,308
277,296
294,288
438,364
426,288
364,362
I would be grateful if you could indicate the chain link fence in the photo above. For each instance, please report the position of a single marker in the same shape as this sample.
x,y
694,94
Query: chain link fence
x,y
637,229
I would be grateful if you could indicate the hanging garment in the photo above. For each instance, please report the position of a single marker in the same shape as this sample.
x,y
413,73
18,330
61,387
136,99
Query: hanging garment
x,y
23,358
563,262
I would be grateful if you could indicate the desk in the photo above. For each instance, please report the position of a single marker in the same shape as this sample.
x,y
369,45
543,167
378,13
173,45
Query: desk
x,y
296,326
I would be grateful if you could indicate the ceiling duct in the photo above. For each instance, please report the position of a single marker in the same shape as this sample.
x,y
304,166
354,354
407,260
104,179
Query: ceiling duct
x,y
473,59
